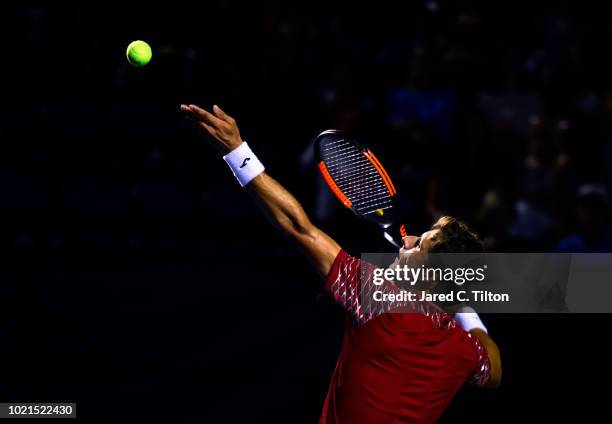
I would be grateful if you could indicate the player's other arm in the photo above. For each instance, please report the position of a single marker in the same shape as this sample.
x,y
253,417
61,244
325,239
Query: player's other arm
x,y
495,373
279,206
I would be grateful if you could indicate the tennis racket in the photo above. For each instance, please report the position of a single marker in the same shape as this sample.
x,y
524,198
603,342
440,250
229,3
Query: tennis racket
x,y
359,181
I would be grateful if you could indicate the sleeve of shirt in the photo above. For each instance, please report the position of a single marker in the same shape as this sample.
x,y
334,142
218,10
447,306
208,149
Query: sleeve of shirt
x,y
346,282
482,372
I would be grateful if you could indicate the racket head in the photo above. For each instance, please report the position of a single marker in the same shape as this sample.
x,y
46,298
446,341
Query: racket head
x,y
356,177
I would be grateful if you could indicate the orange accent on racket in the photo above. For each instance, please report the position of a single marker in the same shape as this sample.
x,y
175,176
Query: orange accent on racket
x,y
368,154
333,186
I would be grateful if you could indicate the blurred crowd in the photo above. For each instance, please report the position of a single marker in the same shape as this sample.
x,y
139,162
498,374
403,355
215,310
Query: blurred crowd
x,y
498,113
502,117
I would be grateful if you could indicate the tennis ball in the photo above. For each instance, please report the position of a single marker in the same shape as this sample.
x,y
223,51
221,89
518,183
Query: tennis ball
x,y
138,53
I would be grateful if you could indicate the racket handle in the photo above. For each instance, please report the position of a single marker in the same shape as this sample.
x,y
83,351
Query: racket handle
x,y
394,233
390,239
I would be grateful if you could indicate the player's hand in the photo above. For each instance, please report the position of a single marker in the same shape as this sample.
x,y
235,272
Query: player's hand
x,y
220,126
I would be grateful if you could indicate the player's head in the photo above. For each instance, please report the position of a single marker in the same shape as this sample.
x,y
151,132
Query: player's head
x,y
446,235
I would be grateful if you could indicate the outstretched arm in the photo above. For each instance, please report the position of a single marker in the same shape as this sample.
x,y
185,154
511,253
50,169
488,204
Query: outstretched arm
x,y
471,322
494,357
288,216
280,207
495,372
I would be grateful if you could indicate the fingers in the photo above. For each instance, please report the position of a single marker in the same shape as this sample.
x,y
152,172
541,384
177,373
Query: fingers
x,y
222,115
205,116
219,114
220,126
211,130
189,114
197,118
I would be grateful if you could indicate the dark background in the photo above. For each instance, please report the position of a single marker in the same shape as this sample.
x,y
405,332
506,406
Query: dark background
x,y
139,282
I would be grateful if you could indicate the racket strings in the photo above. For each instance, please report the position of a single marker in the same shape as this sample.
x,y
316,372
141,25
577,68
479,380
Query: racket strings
x,y
356,177
362,184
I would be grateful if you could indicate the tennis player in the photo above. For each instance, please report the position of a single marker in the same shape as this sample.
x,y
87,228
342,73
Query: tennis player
x,y
393,367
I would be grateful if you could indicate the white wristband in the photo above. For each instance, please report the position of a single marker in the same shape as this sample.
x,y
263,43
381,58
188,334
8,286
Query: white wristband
x,y
244,164
469,319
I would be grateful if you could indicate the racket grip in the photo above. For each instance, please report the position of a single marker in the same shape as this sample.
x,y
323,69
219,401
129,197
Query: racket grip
x,y
394,233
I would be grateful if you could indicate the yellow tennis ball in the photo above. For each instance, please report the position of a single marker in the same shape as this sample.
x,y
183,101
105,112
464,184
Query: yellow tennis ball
x,y
139,53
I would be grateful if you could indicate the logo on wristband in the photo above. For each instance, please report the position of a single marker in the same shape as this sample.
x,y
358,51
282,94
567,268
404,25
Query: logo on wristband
x,y
245,162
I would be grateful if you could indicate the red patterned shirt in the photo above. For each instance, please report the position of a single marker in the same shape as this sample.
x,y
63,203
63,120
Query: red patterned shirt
x,y
399,363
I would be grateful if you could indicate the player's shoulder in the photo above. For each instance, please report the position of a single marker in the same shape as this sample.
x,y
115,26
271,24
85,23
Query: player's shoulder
x,y
344,266
348,267
343,259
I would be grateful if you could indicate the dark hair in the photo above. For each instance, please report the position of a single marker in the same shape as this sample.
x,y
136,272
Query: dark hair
x,y
454,236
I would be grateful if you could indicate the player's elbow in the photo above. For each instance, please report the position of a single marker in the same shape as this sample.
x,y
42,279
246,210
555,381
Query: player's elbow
x,y
295,224
495,373
297,228
494,380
